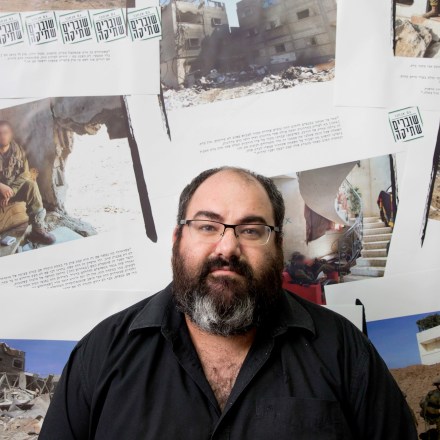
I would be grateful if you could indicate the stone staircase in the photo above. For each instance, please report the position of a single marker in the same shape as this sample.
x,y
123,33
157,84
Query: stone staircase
x,y
373,258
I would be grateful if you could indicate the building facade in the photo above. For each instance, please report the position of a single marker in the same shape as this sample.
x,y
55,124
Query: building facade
x,y
193,36
12,361
272,33
429,345
281,33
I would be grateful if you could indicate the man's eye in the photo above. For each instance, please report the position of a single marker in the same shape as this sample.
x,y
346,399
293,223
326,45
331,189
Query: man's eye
x,y
207,228
251,232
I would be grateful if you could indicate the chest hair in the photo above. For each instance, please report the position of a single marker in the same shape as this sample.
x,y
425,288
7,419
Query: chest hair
x,y
221,373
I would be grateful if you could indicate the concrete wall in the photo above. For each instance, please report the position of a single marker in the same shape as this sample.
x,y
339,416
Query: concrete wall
x,y
295,224
371,177
429,346
182,21
306,40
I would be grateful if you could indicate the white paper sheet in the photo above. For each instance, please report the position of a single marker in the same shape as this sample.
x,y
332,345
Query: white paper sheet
x,y
46,54
368,73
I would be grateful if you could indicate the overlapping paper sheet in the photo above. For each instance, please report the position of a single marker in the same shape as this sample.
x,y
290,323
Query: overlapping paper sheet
x,y
387,57
80,52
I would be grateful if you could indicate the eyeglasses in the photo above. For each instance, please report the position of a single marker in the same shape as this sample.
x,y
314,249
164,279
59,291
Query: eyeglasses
x,y
210,231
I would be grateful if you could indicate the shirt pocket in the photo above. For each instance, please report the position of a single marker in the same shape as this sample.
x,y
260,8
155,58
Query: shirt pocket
x,y
282,418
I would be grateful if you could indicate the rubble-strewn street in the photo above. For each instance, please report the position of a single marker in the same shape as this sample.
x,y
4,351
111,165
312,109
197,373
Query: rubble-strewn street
x,y
219,87
416,40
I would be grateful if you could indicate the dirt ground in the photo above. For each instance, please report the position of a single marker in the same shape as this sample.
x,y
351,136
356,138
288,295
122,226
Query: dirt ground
x,y
38,5
434,212
102,188
415,381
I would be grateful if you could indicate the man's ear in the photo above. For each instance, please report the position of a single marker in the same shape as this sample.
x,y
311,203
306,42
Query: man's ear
x,y
175,233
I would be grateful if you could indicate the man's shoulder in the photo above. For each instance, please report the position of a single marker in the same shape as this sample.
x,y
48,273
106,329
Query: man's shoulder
x,y
120,323
327,324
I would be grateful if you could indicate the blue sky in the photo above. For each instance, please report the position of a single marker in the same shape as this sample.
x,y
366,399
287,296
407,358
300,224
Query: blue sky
x,y
43,356
395,339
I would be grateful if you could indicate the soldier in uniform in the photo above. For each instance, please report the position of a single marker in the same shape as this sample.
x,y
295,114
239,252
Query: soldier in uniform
x,y
16,185
430,411
434,12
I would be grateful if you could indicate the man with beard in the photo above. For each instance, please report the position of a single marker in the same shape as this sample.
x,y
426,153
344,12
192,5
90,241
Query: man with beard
x,y
224,352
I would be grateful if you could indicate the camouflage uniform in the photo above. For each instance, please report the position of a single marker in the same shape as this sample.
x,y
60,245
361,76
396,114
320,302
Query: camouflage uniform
x,y
14,172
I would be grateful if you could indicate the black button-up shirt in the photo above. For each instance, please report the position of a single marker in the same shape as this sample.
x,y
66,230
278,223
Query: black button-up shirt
x,y
309,375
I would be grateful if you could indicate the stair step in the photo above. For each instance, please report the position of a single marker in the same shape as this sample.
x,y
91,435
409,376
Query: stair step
x,y
376,245
368,271
374,225
350,278
368,219
377,231
371,262
371,253
380,237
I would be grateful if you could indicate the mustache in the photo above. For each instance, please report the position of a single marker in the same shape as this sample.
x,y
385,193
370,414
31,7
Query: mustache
x,y
234,263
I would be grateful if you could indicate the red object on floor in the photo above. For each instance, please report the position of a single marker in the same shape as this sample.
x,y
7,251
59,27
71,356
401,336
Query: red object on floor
x,y
310,292
333,276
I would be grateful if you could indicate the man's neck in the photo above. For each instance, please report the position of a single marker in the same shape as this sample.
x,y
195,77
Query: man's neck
x,y
4,148
221,357
207,341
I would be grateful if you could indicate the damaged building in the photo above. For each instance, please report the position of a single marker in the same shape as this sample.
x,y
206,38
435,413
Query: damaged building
x,y
12,361
272,35
193,34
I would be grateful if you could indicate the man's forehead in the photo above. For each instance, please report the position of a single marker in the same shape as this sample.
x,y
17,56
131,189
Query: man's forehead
x,y
234,192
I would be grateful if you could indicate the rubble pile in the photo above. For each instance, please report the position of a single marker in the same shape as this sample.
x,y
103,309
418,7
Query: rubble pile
x,y
415,40
24,424
218,87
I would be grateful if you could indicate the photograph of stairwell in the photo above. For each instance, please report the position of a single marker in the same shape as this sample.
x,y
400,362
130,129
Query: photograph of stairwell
x,y
339,223
417,28
213,51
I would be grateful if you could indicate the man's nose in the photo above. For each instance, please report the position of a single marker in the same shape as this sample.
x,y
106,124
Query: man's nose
x,y
228,245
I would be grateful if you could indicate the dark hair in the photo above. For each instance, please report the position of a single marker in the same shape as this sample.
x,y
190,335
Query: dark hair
x,y
5,124
274,194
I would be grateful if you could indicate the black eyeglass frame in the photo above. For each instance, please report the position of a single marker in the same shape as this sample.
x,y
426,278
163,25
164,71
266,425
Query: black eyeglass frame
x,y
275,229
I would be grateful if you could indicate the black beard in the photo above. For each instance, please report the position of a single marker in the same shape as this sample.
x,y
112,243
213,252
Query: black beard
x,y
223,305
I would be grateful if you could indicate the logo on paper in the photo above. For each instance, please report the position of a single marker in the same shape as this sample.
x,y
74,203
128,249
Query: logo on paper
x,y
75,27
144,24
406,124
11,30
109,25
41,28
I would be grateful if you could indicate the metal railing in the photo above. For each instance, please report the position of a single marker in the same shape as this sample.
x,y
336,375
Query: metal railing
x,y
350,242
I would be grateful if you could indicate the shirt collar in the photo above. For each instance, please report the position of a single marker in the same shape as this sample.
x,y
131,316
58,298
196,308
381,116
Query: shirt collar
x,y
290,313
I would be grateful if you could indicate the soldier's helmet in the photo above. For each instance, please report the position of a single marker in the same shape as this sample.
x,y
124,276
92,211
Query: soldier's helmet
x,y
436,381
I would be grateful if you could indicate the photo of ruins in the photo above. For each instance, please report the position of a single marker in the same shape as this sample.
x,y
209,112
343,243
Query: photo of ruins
x,y
29,373
44,5
212,51
415,35
339,224
85,162
410,346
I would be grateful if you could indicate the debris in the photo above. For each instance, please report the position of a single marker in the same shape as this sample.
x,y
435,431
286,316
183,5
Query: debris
x,y
218,86
412,40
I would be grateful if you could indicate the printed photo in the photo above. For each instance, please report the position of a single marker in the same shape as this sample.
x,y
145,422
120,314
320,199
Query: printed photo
x,y
410,346
212,51
417,28
44,5
433,202
339,224
29,373
69,169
